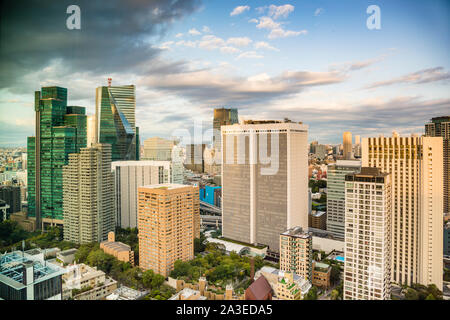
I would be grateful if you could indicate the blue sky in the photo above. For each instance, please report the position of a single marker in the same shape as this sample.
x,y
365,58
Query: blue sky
x,y
311,61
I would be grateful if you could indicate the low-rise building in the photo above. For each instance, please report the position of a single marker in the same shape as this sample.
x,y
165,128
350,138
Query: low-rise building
x,y
82,282
66,256
321,275
287,288
318,220
118,249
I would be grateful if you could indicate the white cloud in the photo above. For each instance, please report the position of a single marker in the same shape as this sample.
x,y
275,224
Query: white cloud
x,y
194,32
228,49
239,41
318,12
264,45
280,11
190,44
253,20
211,42
238,10
206,29
281,33
166,45
178,35
267,23
250,55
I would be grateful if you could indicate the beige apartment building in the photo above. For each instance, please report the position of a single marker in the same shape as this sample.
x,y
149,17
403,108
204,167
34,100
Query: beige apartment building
x,y
368,209
88,195
348,145
264,180
416,168
168,221
296,252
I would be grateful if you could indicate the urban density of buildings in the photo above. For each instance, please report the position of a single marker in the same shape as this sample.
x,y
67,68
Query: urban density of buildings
x,y
352,221
168,222
368,209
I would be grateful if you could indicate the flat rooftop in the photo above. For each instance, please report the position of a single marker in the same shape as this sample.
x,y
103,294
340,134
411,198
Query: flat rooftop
x,y
166,186
117,246
297,232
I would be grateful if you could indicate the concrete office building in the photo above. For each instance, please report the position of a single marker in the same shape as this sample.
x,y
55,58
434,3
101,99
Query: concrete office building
x,y
11,196
168,222
128,177
348,146
88,194
440,127
91,133
28,277
195,157
416,168
336,195
115,121
264,180
296,252
158,149
368,208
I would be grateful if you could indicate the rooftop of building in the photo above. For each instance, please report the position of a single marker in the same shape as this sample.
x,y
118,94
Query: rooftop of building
x,y
320,266
140,163
12,268
318,214
260,288
297,232
68,252
117,246
188,294
126,293
368,172
166,186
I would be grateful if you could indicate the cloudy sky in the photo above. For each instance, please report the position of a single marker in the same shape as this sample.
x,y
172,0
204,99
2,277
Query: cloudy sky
x,y
311,61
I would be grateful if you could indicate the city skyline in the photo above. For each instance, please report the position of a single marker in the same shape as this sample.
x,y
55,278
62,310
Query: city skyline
x,y
312,62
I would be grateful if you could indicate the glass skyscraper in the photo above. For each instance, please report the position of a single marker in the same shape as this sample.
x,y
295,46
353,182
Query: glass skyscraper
x,y
60,130
115,121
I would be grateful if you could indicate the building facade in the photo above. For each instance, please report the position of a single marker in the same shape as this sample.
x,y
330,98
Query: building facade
x,y
60,130
440,127
264,180
348,145
168,222
336,195
368,209
88,193
11,195
115,121
296,252
416,168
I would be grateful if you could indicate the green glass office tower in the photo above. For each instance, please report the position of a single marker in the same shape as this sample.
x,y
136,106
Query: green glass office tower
x,y
60,130
115,121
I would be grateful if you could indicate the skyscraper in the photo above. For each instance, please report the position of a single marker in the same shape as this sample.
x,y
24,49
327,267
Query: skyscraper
x,y
348,147
168,222
336,195
158,149
222,117
88,188
60,130
368,208
115,124
128,177
264,180
416,168
440,127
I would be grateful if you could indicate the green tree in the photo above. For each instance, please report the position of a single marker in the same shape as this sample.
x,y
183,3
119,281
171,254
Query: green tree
x,y
147,278
157,280
430,297
411,294
312,294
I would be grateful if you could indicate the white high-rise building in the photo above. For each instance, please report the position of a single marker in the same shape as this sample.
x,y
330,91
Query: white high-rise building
x,y
88,195
416,168
264,180
128,177
368,208
336,195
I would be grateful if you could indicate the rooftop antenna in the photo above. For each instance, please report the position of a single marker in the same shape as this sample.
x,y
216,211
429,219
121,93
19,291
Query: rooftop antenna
x,y
109,82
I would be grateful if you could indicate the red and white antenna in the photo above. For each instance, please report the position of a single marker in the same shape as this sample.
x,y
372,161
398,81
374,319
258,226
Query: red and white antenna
x,y
109,82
